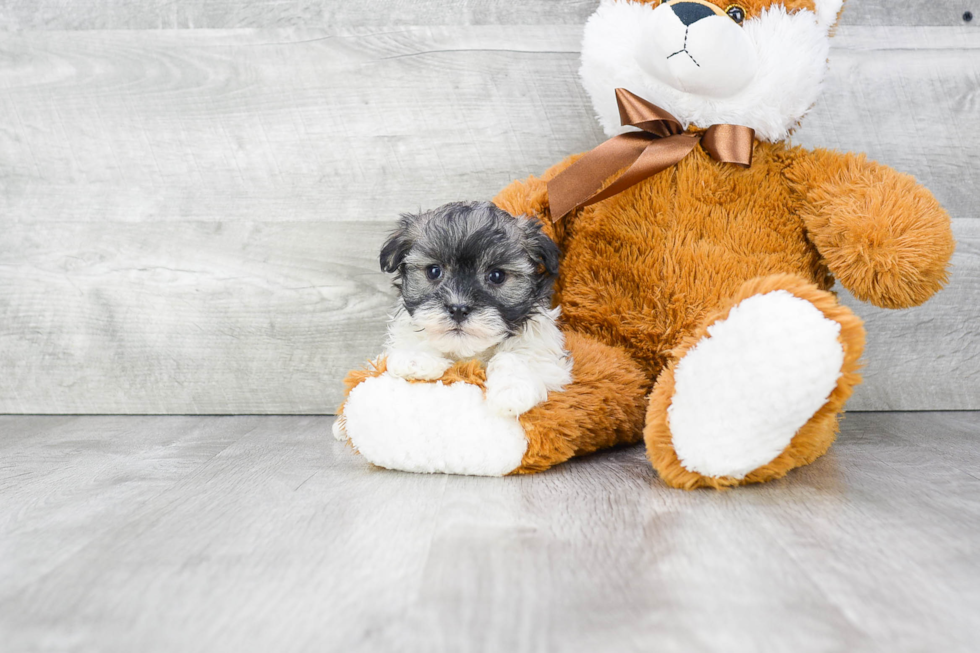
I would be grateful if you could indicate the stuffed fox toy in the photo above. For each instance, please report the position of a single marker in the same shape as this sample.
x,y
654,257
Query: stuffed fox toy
x,y
696,298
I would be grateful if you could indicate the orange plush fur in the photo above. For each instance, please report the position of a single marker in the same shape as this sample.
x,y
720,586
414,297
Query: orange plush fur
x,y
650,269
646,272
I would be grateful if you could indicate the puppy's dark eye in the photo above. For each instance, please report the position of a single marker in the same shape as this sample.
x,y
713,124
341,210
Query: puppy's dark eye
x,y
496,277
736,13
433,272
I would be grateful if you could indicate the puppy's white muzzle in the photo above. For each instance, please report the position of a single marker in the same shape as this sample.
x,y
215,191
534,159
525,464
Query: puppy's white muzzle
x,y
709,56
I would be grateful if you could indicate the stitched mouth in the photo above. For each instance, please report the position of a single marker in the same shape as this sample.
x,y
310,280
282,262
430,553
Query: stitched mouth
x,y
689,55
683,50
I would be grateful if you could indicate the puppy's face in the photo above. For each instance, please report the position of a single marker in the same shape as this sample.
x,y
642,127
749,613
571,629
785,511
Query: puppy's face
x,y
470,275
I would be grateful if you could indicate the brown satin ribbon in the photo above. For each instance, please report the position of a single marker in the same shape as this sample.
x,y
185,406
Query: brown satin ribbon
x,y
661,144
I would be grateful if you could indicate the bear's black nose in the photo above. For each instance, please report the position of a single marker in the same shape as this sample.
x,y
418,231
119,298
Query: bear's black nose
x,y
691,12
458,312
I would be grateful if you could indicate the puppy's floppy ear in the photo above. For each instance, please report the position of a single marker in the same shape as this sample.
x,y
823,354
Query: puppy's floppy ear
x,y
539,246
399,243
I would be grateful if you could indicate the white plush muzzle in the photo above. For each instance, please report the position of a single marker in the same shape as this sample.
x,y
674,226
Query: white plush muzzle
x,y
707,69
697,52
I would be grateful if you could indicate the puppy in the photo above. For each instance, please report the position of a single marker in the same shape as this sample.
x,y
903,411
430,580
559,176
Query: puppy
x,y
476,283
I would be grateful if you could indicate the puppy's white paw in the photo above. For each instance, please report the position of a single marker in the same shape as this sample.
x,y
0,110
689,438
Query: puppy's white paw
x,y
417,365
511,396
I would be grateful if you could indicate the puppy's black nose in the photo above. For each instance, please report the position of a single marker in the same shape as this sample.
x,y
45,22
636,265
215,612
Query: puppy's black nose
x,y
458,312
691,12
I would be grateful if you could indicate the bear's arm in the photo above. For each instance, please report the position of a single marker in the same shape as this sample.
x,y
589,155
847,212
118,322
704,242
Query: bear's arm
x,y
885,237
530,197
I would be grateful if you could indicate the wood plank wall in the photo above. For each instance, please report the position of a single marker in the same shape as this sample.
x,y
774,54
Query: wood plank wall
x,y
190,217
225,14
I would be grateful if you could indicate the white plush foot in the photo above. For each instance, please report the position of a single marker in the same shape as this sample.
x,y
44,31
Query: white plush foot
x,y
431,427
744,390
417,365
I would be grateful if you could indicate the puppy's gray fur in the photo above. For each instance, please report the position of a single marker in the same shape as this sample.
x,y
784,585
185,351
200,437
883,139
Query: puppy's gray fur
x,y
476,282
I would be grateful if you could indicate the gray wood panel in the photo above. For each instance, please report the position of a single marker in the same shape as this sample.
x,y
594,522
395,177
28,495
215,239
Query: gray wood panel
x,y
187,317
263,533
193,216
267,318
282,125
189,14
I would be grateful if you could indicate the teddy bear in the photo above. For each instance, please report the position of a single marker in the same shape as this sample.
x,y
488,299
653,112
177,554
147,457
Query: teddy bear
x,y
697,272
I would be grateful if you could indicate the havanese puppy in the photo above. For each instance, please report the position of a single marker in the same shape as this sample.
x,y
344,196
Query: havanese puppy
x,y
476,283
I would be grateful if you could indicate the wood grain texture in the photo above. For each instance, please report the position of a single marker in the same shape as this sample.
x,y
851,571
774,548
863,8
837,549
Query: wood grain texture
x,y
298,125
198,318
282,124
188,14
192,217
262,533
187,317
60,476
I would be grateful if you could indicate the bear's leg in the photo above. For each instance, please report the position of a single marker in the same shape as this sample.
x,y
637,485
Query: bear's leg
x,y
448,427
757,389
603,407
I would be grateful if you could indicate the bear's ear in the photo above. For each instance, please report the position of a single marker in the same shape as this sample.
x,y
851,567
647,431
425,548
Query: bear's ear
x,y
828,12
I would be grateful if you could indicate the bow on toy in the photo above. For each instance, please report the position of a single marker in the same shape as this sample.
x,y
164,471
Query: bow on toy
x,y
661,144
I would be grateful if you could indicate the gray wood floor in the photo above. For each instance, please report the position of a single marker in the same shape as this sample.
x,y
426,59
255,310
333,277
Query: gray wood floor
x,y
264,534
